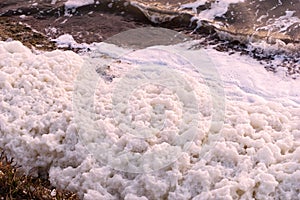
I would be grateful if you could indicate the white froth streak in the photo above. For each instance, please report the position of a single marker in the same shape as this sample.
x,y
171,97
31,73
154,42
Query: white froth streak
x,y
217,9
281,24
70,4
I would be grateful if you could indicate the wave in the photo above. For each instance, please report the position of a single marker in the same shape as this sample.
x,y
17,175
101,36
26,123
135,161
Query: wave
x,y
273,21
237,19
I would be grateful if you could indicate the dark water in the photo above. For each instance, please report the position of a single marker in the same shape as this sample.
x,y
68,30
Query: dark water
x,y
266,20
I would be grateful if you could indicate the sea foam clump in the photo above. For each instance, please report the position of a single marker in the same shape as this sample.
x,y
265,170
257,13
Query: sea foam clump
x,y
254,155
36,106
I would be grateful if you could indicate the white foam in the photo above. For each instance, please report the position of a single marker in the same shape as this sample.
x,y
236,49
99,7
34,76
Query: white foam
x,y
254,155
249,77
71,4
217,9
281,24
67,41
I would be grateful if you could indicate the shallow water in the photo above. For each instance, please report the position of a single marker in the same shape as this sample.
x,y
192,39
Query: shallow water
x,y
268,20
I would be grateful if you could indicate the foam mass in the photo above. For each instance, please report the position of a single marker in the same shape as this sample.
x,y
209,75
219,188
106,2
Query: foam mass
x,y
254,155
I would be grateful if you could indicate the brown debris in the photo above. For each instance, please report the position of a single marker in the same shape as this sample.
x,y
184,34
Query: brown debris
x,y
16,185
